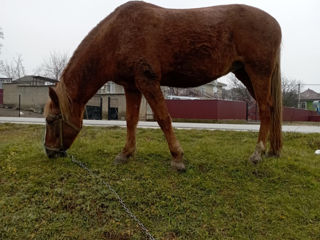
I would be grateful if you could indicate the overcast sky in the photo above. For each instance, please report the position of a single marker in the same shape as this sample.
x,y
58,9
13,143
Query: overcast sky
x,y
34,28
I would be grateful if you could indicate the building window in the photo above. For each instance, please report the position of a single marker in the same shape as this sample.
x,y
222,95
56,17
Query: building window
x,y
303,105
215,89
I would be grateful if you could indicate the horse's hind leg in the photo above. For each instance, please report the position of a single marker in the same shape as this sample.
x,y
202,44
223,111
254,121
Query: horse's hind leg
x,y
262,90
242,76
149,85
264,113
133,100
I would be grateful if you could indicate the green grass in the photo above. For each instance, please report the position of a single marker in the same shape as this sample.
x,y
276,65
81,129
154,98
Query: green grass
x,y
220,196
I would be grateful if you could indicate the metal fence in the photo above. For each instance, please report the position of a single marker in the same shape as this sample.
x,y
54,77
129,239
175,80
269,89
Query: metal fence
x,y
221,109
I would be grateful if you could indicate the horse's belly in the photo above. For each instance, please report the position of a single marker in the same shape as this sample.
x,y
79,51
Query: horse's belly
x,y
196,66
185,80
195,73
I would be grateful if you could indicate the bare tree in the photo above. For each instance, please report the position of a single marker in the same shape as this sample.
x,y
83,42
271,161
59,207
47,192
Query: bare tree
x,y
290,92
1,37
14,69
172,91
54,66
238,91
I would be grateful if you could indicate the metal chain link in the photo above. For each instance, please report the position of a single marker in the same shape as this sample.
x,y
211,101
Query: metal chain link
x,y
124,206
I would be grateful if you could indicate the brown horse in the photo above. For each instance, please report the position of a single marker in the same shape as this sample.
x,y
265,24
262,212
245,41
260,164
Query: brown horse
x,y
142,47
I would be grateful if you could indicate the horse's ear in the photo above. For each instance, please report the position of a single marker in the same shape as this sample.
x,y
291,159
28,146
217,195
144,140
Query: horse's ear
x,y
53,95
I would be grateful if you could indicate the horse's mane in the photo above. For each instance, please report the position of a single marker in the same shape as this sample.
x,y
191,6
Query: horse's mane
x,y
65,103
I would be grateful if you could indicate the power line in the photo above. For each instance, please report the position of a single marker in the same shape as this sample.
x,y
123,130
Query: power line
x,y
312,84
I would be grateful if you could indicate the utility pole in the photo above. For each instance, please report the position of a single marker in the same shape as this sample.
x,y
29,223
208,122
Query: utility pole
x,y
299,95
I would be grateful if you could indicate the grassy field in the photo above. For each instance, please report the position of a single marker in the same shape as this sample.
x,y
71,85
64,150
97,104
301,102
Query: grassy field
x,y
220,196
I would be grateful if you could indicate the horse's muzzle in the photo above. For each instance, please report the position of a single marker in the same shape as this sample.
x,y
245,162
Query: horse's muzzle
x,y
55,154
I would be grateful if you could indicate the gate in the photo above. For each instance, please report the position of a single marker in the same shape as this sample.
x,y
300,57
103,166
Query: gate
x,y
112,108
1,96
93,112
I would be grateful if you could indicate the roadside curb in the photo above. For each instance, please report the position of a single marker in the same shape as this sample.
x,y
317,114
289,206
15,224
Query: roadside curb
x,y
177,125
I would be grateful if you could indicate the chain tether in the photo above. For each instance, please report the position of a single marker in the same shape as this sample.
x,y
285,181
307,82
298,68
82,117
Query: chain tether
x,y
124,206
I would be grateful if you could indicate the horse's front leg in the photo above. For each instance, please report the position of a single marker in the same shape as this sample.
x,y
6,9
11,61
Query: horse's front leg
x,y
133,101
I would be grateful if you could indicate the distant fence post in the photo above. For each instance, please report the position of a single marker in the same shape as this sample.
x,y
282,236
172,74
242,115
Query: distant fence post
x,y
299,97
109,108
19,104
101,107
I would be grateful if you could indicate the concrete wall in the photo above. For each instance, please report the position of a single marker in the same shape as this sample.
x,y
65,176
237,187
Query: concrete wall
x,y
116,101
119,101
35,97
32,97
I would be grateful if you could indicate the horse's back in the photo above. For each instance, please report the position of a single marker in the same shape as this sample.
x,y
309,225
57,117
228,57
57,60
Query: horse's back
x,y
234,15
193,46
189,46
218,26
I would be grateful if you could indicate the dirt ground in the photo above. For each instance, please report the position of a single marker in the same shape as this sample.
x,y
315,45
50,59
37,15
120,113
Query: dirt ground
x,y
6,112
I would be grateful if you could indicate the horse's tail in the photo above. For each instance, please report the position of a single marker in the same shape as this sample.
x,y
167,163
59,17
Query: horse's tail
x,y
276,109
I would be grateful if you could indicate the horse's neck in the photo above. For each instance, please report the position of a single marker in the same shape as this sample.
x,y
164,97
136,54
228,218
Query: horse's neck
x,y
83,76
80,92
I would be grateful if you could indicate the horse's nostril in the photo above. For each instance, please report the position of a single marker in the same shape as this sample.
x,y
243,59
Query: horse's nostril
x,y
63,154
49,153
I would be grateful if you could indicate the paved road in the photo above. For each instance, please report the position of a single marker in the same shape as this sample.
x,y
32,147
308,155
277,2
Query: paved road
x,y
178,125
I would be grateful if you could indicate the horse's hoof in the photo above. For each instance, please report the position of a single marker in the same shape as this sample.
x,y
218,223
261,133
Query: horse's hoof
x,y
271,154
121,159
179,166
255,158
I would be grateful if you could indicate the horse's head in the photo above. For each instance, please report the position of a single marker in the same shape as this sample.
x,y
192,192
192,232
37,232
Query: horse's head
x,y
61,127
